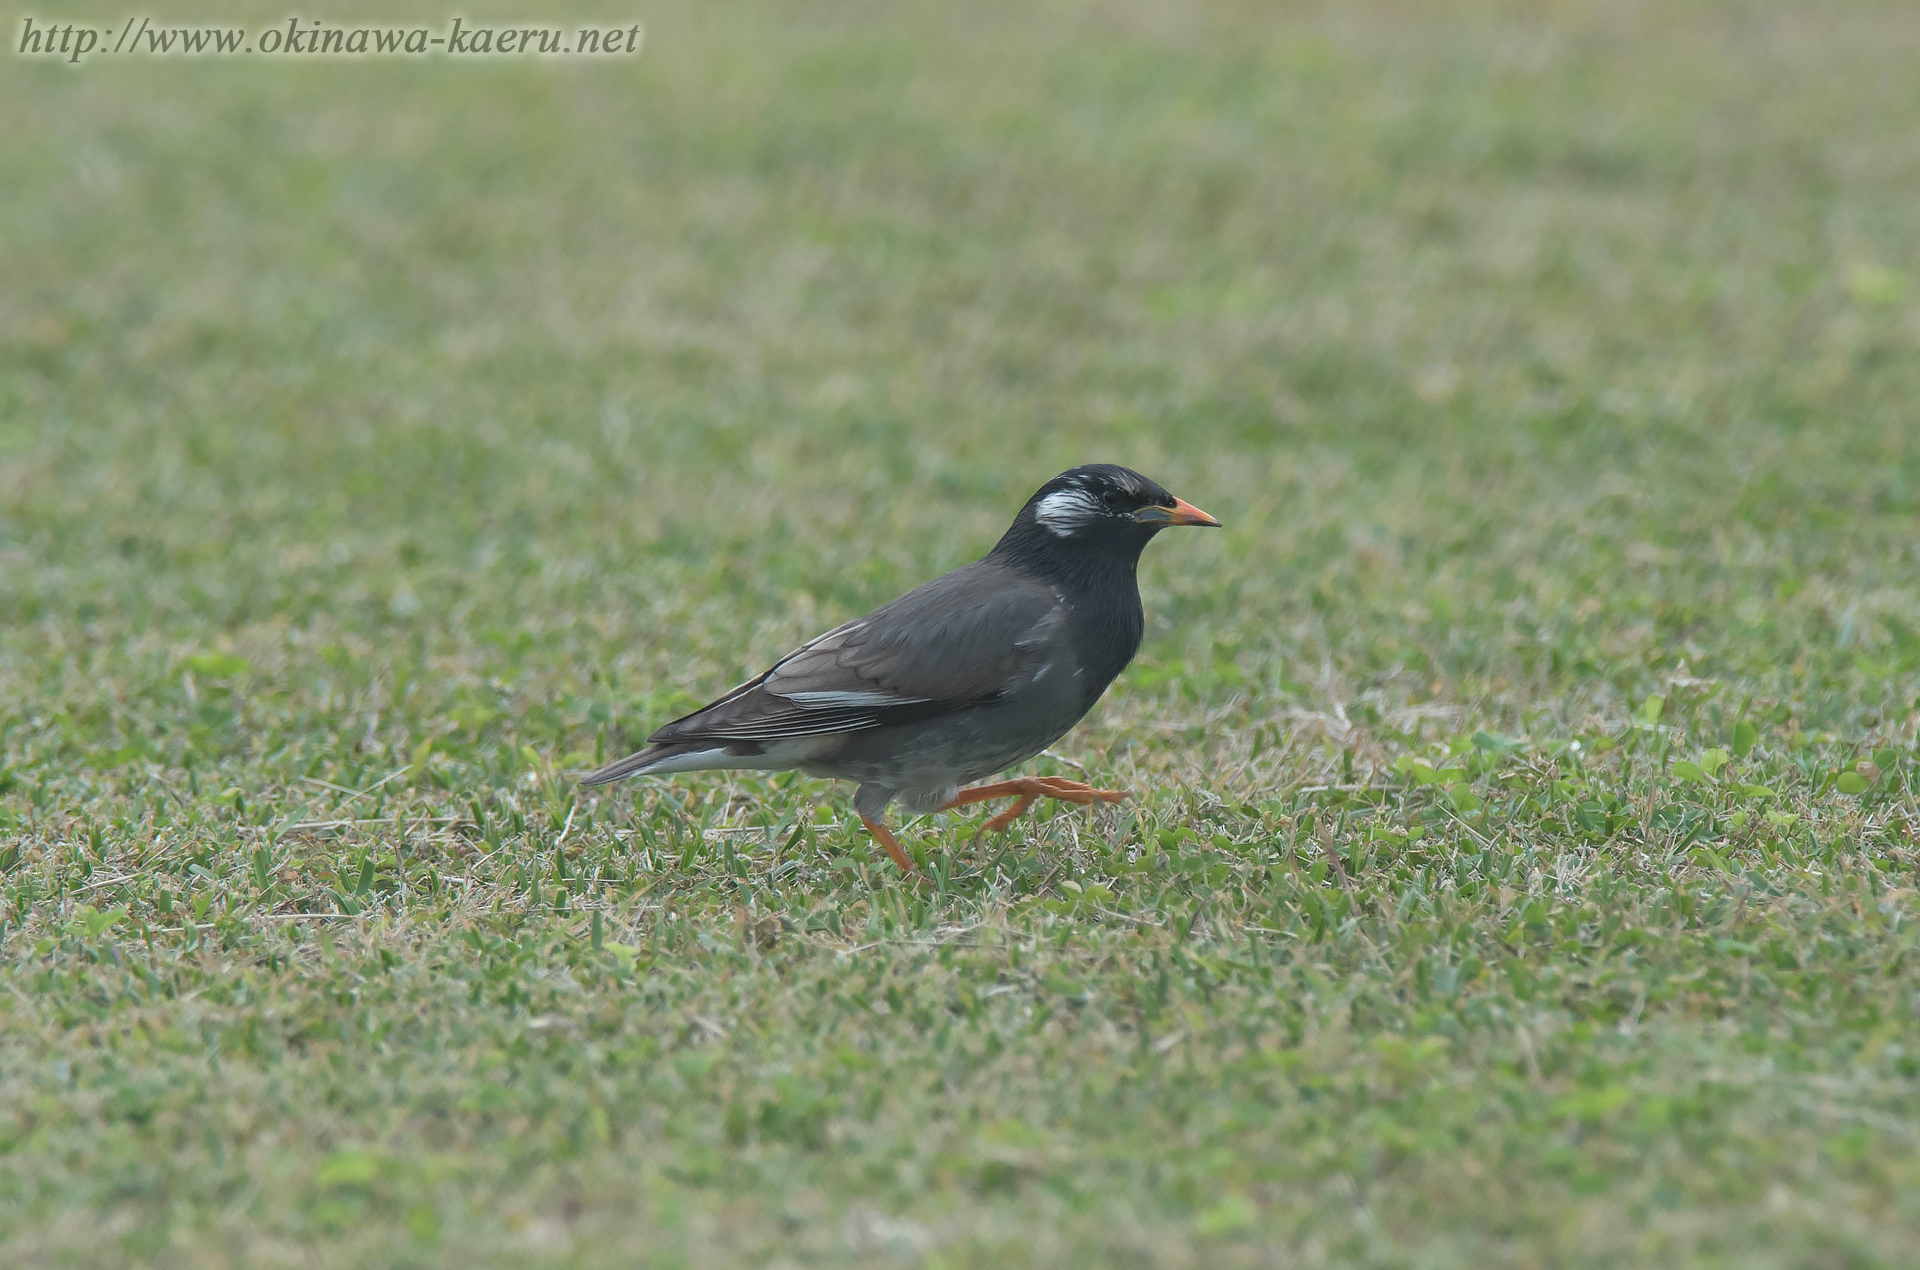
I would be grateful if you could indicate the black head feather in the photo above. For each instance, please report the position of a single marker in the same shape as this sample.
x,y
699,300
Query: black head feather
x,y
1086,511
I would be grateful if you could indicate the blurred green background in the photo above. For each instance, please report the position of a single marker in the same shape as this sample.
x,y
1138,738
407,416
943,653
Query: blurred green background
x,y
1467,311
454,422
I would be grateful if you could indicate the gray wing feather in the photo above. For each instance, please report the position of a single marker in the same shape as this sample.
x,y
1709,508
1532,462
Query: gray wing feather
x,y
954,642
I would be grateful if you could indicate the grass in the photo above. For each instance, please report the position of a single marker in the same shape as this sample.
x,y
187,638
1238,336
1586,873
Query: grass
x,y
1521,868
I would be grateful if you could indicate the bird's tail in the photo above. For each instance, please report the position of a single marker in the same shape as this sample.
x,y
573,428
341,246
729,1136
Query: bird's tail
x,y
674,756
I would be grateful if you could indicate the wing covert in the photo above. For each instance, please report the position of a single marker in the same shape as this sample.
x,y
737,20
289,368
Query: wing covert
x,y
957,641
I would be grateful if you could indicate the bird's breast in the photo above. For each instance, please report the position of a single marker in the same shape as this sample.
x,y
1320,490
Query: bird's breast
x,y
1105,638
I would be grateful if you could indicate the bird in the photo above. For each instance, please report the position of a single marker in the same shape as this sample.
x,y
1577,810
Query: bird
x,y
960,678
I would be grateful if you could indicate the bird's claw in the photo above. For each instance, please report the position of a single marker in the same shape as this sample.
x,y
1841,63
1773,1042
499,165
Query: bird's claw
x,y
1024,791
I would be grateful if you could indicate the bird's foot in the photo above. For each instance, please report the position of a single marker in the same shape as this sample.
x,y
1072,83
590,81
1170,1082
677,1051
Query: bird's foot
x,y
1024,790
885,837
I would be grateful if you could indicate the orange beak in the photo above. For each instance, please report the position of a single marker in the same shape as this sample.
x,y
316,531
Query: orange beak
x,y
1181,513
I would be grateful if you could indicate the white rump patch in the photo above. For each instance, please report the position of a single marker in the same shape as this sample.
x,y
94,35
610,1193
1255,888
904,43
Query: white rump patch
x,y
693,761
1065,510
782,754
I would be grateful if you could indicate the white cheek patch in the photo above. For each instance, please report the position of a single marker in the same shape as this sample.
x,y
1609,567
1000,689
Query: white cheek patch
x,y
1065,510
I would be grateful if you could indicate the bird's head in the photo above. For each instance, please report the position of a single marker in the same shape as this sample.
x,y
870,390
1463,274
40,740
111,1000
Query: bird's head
x,y
1099,507
1101,499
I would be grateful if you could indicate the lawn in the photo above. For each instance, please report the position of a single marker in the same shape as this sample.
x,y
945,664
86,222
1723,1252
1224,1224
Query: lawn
x,y
1521,868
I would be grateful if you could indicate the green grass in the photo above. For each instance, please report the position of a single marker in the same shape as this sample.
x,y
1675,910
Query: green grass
x,y
381,442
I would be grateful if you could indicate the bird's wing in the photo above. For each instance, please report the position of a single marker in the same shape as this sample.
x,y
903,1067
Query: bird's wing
x,y
957,641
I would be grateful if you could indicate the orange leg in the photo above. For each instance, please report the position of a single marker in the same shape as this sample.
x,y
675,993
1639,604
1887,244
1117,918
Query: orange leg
x,y
886,839
1023,790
